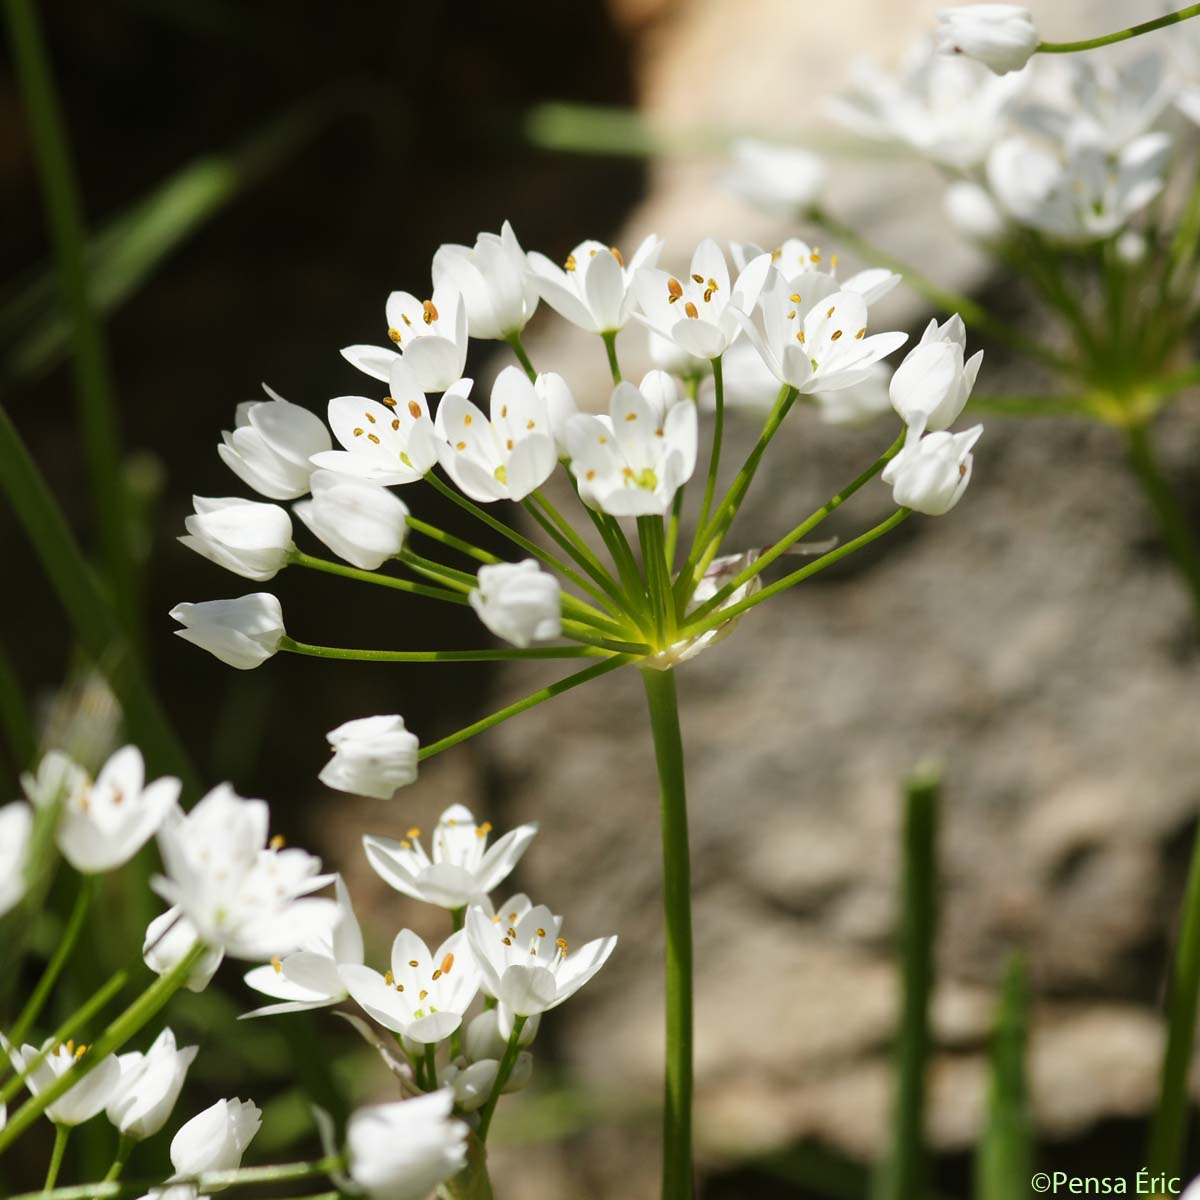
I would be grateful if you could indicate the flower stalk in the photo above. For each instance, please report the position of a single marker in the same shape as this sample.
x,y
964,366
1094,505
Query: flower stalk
x,y
1121,35
511,1050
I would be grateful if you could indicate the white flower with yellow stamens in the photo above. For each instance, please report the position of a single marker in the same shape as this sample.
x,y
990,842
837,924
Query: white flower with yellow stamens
x,y
814,274
389,442
526,966
462,867
633,461
85,1099
430,335
309,977
505,457
594,287
699,311
423,996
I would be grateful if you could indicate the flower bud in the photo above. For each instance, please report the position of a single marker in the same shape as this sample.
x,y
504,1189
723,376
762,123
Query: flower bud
x,y
216,1139
359,520
560,404
242,633
932,385
522,1073
492,279
150,1085
271,445
372,756
1002,36
472,1084
250,539
482,1038
518,602
782,180
931,476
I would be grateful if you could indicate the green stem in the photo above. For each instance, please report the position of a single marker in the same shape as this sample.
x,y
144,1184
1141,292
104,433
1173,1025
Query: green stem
x,y
61,1134
93,379
530,701
506,1069
448,539
905,1177
431,1065
138,1014
1121,35
450,577
607,594
586,635
427,656
714,462
125,1145
300,559
518,348
941,298
677,906
62,952
802,530
76,1021
1169,1125
1172,520
610,345
581,552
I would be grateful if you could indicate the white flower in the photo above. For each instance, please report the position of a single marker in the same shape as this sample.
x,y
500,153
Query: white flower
x,y
392,442
1083,193
931,476
518,602
700,312
215,1139
473,1083
403,1150
484,1037
430,334
308,977
526,966
860,403
973,210
720,571
1001,36
359,520
270,447
560,406
251,539
819,345
493,280
815,275
372,756
462,867
149,1086
168,938
932,385
242,633
103,824
85,1099
506,457
424,996
782,180
594,288
950,110
632,461
16,830
240,895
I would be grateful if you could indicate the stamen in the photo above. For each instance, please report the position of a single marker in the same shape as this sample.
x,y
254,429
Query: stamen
x,y
617,255
561,943
541,933
370,418
395,335
697,278
467,419
712,286
404,318
570,264
708,295
690,309
373,438
447,963
412,962
837,333
437,975
278,842
859,335
431,313
388,402
422,994
275,962
414,410
389,979
832,310
674,290
631,416
460,445
395,424
795,297
486,828
800,336
358,432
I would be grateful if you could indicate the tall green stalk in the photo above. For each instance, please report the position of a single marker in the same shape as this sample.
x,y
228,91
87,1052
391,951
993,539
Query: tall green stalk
x,y
677,905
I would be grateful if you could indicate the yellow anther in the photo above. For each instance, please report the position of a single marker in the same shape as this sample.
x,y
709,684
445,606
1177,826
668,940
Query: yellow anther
x,y
405,844
437,975
617,255
504,411
708,295
414,410
388,402
858,337
590,475
447,963
414,832
712,286
278,965
370,418
569,265
467,419
800,336
530,424
792,315
412,962
508,941
512,916
81,1052
815,256
631,416
70,1045
697,278
795,297
674,290
358,433
508,444
399,987
541,933
405,319
831,310
389,979
561,943
395,335
430,312
395,424
690,309
512,933
837,333
278,842
422,994
833,261
460,445
372,437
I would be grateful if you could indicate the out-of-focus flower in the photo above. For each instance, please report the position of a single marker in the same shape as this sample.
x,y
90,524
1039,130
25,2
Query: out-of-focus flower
x,y
423,996
700,312
526,966
168,938
462,868
16,830
594,287
632,461
85,1099
782,180
973,211
242,633
472,1083
494,281
932,385
149,1086
1001,36
309,977
251,900
248,538
484,1038
372,756
271,444
560,404
392,442
502,458
102,824
518,602
358,519
431,336
931,476
950,110
215,1139
403,1150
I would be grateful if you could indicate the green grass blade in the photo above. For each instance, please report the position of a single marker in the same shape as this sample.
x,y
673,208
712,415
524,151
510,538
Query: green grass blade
x,y
1004,1161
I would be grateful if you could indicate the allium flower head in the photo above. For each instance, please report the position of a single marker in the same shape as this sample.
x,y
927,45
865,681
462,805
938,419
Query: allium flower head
x,y
270,447
403,1150
594,287
460,867
494,281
